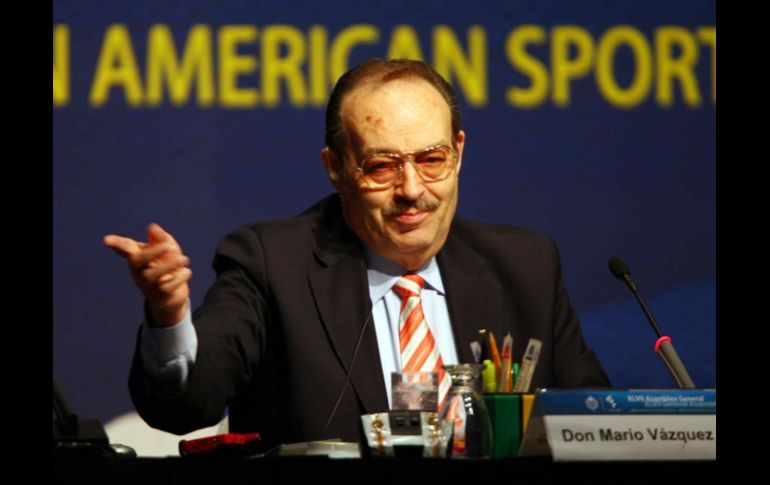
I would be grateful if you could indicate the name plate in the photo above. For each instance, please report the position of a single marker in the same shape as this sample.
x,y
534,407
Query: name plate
x,y
623,425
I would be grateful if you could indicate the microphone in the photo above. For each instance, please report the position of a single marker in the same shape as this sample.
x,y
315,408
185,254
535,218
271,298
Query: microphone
x,y
663,346
350,370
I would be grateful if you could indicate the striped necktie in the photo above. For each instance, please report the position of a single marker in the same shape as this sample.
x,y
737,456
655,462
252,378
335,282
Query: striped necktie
x,y
419,352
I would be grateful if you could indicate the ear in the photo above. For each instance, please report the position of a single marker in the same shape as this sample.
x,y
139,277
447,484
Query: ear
x,y
332,166
460,143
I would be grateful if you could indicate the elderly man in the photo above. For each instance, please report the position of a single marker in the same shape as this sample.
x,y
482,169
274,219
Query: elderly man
x,y
309,316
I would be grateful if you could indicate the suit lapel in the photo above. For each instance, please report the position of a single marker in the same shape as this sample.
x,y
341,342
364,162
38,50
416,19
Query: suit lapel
x,y
341,292
474,298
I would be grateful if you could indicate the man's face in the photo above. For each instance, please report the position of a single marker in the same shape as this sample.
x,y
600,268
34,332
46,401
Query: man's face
x,y
407,223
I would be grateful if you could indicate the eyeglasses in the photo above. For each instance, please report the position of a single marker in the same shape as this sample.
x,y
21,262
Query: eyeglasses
x,y
383,170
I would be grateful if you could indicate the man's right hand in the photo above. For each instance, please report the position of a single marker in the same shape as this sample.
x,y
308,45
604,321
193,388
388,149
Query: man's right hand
x,y
159,269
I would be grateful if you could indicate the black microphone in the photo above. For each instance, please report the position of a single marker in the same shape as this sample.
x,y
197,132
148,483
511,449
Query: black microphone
x,y
663,345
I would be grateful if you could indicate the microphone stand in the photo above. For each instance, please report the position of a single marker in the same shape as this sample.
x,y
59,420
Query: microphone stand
x,y
663,346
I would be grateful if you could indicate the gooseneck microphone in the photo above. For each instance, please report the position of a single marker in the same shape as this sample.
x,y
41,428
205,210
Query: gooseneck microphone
x,y
663,346
350,369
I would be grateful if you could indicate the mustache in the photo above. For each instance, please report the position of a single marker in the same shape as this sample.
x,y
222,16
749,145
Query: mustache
x,y
403,206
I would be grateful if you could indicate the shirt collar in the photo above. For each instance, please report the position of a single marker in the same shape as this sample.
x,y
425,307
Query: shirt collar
x,y
383,274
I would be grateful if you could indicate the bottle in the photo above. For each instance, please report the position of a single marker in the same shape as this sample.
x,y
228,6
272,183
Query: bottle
x,y
464,405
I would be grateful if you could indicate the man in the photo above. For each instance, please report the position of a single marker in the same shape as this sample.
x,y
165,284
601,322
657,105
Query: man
x,y
308,316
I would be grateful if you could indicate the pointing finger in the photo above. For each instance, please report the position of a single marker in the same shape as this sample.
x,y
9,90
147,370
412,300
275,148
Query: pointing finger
x,y
122,245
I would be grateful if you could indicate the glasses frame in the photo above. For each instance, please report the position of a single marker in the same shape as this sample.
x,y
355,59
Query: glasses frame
x,y
410,157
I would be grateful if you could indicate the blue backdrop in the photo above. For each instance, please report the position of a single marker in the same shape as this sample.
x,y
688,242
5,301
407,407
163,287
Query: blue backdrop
x,y
593,122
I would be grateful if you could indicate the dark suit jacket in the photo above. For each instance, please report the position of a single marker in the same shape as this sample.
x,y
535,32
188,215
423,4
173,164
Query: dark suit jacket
x,y
278,329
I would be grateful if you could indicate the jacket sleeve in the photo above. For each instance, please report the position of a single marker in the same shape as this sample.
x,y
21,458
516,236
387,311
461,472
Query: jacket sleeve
x,y
575,364
231,326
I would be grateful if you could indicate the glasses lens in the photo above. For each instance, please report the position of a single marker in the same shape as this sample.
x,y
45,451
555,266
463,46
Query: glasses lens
x,y
381,169
432,164
435,163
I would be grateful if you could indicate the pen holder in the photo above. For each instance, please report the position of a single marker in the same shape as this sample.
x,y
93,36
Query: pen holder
x,y
509,414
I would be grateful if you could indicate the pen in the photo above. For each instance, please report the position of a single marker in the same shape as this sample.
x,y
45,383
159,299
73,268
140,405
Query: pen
x,y
516,367
505,383
484,344
494,354
476,351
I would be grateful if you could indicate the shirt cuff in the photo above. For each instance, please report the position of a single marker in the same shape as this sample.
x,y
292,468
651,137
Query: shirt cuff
x,y
164,345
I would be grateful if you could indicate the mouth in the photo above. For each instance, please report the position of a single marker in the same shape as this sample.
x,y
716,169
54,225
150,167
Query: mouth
x,y
411,218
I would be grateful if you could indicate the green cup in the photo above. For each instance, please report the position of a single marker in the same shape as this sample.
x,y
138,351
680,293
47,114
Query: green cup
x,y
509,414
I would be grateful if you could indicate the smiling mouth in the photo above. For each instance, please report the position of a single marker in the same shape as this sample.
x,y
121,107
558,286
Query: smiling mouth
x,y
411,218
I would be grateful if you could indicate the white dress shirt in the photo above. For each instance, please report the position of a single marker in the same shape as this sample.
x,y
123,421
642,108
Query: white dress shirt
x,y
386,307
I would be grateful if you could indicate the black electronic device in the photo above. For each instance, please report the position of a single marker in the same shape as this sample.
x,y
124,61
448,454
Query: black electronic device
x,y
80,436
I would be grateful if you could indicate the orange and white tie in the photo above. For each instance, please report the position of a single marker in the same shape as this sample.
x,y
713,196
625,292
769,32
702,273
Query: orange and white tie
x,y
419,352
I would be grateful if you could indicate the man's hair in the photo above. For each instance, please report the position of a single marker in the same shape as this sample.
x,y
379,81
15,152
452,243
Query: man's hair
x,y
380,71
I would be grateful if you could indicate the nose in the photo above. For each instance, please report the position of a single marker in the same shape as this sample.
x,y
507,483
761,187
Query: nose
x,y
411,186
